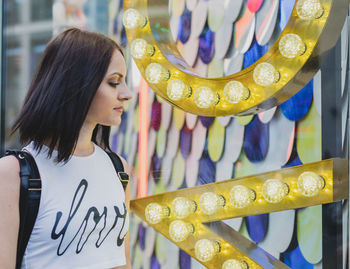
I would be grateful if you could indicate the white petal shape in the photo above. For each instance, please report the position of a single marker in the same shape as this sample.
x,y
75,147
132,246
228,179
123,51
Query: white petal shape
x,y
172,255
166,168
174,24
224,169
234,223
267,115
266,19
177,7
215,14
173,141
196,265
223,38
167,110
191,50
317,92
191,171
215,68
233,141
225,120
309,233
191,120
200,68
191,4
244,31
150,240
199,17
152,138
235,64
198,140
280,231
232,10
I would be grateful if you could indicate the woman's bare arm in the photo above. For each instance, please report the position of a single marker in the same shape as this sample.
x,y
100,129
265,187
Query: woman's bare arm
x,y
9,208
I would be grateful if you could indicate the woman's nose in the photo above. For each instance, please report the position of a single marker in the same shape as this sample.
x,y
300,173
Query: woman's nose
x,y
125,93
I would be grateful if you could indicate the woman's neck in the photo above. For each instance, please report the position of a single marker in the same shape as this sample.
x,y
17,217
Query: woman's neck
x,y
84,145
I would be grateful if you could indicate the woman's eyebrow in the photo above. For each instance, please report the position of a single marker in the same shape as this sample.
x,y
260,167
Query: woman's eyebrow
x,y
116,74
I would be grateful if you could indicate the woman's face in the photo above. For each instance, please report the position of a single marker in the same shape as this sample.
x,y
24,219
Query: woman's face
x,y
107,106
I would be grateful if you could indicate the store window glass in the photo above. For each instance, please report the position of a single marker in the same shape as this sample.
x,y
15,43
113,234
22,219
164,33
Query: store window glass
x,y
27,28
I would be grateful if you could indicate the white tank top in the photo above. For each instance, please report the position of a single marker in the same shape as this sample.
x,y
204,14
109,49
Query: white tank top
x,y
82,218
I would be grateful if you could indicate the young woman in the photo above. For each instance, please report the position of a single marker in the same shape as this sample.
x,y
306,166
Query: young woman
x,y
77,93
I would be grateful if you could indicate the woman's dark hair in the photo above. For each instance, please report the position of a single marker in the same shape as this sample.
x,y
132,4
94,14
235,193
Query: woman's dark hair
x,y
72,68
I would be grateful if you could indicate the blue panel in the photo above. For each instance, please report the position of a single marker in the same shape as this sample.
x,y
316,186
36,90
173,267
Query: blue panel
x,y
294,161
185,26
286,8
206,121
253,54
296,107
156,163
206,45
185,260
256,140
185,142
114,143
141,236
257,227
206,170
294,259
154,263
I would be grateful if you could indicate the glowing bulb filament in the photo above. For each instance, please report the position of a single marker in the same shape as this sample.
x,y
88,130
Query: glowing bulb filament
x,y
177,90
291,46
274,190
155,213
309,9
310,184
265,74
241,196
133,19
234,264
235,92
179,230
205,97
209,202
140,48
183,207
156,73
206,249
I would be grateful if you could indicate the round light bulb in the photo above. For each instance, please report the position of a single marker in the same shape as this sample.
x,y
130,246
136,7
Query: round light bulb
x,y
180,230
155,213
206,249
241,196
309,9
177,90
140,48
235,92
133,19
156,73
183,207
265,74
234,264
310,184
274,190
291,46
210,202
205,97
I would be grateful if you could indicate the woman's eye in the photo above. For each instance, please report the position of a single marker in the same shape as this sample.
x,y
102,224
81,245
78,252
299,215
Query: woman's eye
x,y
113,84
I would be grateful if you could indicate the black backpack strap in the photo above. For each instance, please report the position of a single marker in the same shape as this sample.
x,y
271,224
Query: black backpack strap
x,y
30,191
119,167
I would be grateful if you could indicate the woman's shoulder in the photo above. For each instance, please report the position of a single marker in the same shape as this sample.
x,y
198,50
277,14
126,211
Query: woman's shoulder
x,y
9,176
